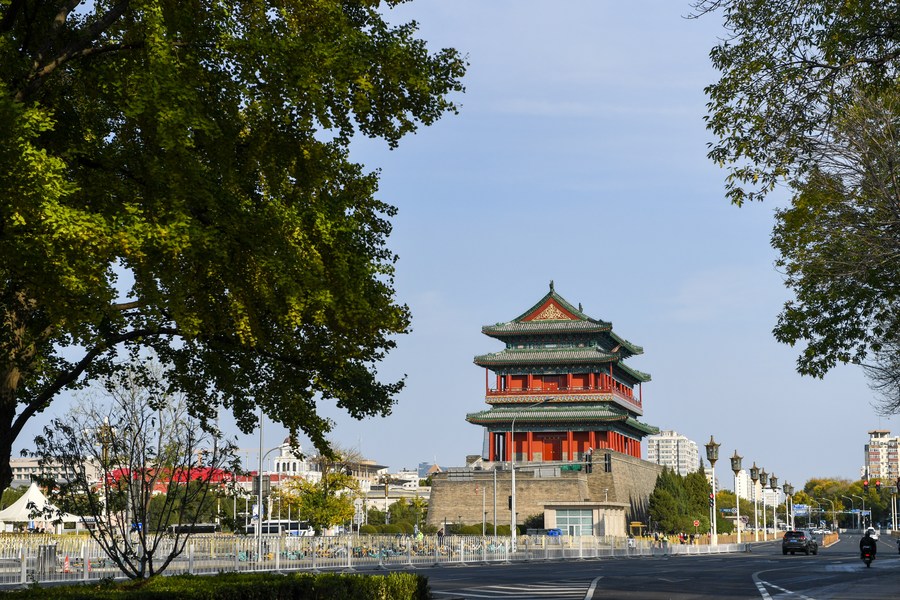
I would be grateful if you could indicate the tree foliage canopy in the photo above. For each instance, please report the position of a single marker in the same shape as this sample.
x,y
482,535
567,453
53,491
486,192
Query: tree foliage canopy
x,y
809,95
677,501
840,242
328,500
177,175
789,67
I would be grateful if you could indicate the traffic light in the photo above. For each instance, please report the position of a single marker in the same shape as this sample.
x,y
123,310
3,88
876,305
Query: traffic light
x,y
866,486
712,500
509,500
878,486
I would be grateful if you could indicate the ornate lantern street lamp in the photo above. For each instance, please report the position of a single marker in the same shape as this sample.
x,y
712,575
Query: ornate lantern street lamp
x,y
773,483
763,480
712,455
754,477
736,467
788,501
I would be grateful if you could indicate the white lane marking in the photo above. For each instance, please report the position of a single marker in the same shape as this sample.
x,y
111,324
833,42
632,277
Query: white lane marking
x,y
761,587
590,592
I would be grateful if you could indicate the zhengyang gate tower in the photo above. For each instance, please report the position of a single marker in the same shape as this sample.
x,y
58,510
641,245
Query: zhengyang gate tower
x,y
560,388
563,416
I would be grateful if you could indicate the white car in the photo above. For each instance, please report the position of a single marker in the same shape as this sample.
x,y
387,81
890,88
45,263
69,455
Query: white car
x,y
872,533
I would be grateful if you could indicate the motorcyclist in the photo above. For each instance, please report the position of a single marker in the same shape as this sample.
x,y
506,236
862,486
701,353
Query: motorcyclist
x,y
867,543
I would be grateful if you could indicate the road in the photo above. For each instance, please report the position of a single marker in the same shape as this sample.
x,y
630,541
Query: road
x,y
836,573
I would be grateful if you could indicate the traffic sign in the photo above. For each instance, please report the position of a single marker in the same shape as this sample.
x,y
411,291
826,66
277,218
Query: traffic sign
x,y
696,523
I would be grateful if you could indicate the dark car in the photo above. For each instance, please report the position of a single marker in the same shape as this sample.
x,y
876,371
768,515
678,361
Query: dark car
x,y
799,541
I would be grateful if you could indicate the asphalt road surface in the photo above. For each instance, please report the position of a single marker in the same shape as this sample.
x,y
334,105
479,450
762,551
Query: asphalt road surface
x,y
836,573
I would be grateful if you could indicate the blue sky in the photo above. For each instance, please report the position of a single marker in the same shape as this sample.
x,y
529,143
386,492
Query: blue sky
x,y
579,155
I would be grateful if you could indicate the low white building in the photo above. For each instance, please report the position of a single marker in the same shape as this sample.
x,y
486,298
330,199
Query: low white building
x,y
25,469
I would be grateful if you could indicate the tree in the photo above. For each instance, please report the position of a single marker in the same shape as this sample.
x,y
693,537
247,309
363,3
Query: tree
x,y
789,68
176,175
10,495
410,511
664,510
809,95
883,370
697,487
328,500
674,505
135,465
840,245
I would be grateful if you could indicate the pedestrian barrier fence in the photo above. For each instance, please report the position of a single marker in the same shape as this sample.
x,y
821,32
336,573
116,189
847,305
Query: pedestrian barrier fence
x,y
39,558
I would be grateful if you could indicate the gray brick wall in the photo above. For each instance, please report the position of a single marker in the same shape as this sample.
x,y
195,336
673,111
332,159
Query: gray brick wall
x,y
458,494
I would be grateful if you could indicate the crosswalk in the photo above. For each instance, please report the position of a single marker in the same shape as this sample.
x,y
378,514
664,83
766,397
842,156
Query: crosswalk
x,y
571,589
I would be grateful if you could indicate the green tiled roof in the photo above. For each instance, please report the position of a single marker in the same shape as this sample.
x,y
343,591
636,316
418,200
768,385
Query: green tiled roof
x,y
559,415
562,302
539,327
632,406
565,355
581,324
557,356
639,375
633,348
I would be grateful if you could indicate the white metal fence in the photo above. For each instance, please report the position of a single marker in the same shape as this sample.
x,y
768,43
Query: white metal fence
x,y
28,559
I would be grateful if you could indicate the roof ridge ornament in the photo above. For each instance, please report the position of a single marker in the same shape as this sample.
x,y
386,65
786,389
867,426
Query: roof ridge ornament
x,y
551,285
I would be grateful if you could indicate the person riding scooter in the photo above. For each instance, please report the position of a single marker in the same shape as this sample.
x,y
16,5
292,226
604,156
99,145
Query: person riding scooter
x,y
867,543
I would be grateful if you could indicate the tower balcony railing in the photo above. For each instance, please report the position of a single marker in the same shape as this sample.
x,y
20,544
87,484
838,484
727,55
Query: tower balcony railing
x,y
617,389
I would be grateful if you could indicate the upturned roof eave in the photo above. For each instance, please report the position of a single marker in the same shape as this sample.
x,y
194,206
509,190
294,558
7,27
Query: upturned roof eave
x,y
633,348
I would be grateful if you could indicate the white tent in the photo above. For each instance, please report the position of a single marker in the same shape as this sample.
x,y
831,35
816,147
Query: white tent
x,y
34,500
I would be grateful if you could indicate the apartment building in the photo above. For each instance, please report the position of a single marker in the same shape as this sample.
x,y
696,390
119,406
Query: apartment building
x,y
669,449
881,462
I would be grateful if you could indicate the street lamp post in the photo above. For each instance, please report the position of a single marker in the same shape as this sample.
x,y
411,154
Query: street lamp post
x,y
793,516
260,513
763,479
894,504
736,467
809,515
259,508
712,455
862,515
852,507
754,477
788,516
773,483
833,523
512,469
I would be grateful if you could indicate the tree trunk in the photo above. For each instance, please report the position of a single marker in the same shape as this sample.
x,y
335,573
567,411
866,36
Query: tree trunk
x,y
7,435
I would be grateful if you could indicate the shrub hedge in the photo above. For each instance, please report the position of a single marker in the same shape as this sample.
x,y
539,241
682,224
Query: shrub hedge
x,y
245,586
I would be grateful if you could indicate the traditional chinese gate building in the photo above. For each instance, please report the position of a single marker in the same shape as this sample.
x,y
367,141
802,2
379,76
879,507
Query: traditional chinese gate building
x,y
560,387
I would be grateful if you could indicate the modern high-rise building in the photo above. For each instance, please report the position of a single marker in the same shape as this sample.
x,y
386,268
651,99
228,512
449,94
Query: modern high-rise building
x,y
881,462
669,449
